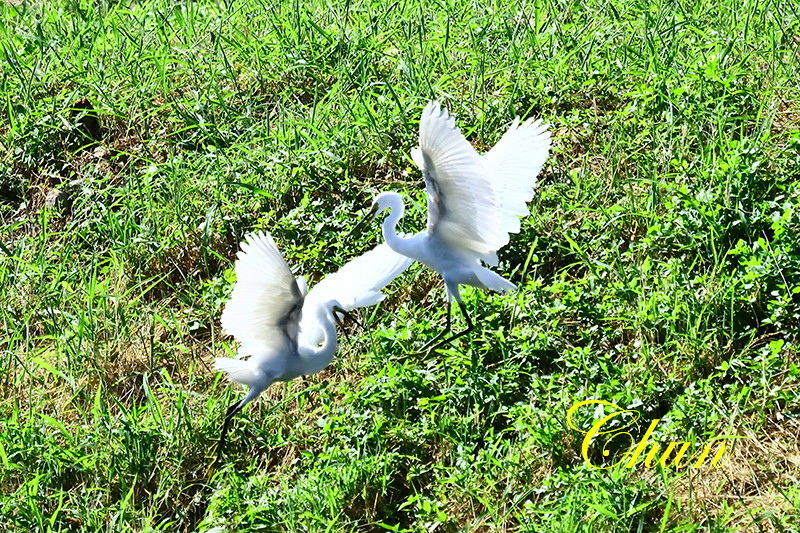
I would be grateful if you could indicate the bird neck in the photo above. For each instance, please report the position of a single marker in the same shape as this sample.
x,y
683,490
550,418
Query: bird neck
x,y
396,211
316,358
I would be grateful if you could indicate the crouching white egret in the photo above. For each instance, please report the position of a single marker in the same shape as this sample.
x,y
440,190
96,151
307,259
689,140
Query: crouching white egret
x,y
474,202
285,332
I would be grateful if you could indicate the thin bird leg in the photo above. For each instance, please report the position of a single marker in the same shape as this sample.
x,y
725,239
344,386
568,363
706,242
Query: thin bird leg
x,y
340,326
429,347
339,320
460,333
229,414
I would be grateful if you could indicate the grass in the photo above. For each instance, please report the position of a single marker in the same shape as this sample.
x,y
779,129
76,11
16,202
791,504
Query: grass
x,y
659,269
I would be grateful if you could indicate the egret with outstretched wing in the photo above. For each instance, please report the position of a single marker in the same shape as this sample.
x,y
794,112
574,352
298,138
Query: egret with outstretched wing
x,y
284,332
474,202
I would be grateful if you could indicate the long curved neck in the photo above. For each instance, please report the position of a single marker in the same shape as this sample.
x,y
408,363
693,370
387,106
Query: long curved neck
x,y
396,210
316,358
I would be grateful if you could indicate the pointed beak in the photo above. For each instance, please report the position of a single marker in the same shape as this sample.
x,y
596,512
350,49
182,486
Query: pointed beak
x,y
345,316
359,228
340,315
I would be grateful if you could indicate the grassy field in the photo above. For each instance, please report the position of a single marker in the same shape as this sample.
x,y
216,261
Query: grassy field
x,y
659,269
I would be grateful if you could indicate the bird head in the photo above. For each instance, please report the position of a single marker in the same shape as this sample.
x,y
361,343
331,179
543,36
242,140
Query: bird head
x,y
338,312
385,200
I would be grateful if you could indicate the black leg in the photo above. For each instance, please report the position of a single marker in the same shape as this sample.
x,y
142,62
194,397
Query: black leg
x,y
354,320
339,321
431,345
346,316
229,414
455,336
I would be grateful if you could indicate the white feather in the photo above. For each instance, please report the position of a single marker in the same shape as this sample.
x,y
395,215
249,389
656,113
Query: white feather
x,y
512,166
265,308
357,284
244,372
461,206
475,202
264,297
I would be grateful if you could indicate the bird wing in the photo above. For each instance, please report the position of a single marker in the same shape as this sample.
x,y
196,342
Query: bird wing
x,y
264,308
474,201
357,284
462,209
512,166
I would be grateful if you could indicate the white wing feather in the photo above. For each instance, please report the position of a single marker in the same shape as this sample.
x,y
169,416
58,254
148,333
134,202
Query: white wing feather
x,y
357,284
264,306
461,205
512,166
474,202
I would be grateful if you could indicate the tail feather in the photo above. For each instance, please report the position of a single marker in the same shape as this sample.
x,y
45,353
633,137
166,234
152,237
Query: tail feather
x,y
238,370
494,281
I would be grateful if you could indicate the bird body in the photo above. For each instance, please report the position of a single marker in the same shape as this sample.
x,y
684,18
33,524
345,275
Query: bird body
x,y
284,361
283,331
458,266
474,202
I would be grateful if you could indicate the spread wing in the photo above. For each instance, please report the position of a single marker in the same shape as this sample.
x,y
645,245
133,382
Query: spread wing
x,y
512,166
473,201
357,284
461,205
264,308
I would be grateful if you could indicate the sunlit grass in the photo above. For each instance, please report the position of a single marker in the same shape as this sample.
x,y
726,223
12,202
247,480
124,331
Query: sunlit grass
x,y
659,269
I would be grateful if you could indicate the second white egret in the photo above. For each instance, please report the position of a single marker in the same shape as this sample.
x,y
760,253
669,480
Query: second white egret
x,y
474,202
285,332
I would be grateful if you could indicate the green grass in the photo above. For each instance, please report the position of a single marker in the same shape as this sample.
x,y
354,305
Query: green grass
x,y
659,268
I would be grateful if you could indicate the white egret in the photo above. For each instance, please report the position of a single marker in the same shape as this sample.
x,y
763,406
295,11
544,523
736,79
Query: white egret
x,y
474,202
285,332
